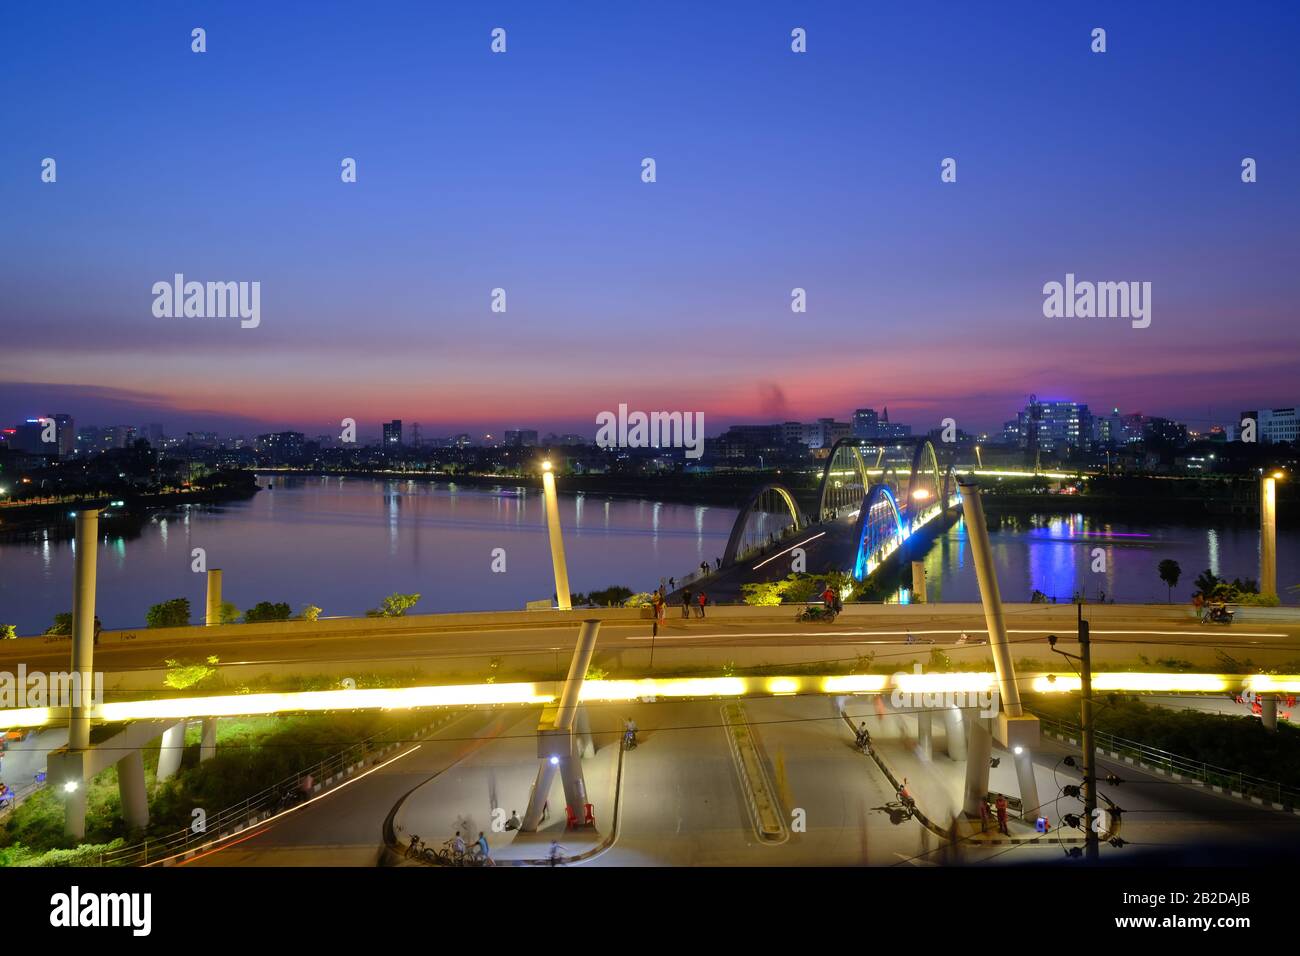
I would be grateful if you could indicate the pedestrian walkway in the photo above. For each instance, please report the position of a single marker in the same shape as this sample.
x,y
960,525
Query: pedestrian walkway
x,y
937,783
500,776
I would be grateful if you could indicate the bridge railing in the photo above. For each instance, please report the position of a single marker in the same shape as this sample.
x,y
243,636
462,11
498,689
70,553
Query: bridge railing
x,y
247,812
1172,764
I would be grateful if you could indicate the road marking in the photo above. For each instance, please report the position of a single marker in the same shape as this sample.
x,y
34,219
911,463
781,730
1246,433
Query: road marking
x,y
261,827
916,632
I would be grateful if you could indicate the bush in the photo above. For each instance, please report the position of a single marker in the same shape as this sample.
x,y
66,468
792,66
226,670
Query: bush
x,y
229,613
266,611
395,605
8,632
183,675
62,624
173,613
310,612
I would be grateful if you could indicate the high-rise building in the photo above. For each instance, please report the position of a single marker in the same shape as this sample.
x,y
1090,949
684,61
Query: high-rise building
x,y
1052,426
1272,425
865,423
525,437
393,434
886,429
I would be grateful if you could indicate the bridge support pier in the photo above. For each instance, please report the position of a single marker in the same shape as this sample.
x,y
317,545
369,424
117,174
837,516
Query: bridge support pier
x,y
170,751
131,788
955,733
586,746
1268,536
208,746
212,611
557,742
1268,711
979,751
924,734
918,582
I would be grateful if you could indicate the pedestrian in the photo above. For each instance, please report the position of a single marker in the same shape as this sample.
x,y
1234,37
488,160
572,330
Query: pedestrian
x,y
984,814
514,823
703,599
686,602
704,568
911,638
964,638
484,849
663,585
98,628
1002,814
656,605
672,584
828,598
718,561
555,857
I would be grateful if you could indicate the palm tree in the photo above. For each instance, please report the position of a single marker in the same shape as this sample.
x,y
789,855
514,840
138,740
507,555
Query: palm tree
x,y
1170,573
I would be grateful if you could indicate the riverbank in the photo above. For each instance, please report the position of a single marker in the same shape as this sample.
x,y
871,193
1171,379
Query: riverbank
x,y
123,514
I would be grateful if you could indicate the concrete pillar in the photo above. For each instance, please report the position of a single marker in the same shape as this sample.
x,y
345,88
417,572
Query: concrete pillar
x,y
979,750
541,790
918,582
562,595
66,775
1268,536
208,746
1028,783
557,741
170,751
212,613
582,727
1268,711
924,739
955,731
130,786
977,532
83,630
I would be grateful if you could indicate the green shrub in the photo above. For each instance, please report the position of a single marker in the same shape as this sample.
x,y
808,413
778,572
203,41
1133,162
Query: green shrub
x,y
62,624
266,611
395,605
184,675
310,612
8,632
173,613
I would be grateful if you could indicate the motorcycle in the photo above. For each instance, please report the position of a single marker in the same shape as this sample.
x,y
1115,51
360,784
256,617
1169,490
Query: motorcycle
x,y
1217,614
629,740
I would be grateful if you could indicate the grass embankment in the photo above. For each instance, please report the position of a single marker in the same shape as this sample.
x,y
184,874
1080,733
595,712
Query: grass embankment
x,y
1234,743
252,753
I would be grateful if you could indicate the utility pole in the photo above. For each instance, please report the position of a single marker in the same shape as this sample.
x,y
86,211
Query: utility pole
x,y
1089,742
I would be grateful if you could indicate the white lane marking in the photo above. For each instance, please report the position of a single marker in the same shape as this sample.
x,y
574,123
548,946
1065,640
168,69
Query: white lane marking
x,y
1038,630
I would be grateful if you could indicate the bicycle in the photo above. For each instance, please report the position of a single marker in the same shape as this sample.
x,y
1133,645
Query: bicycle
x,y
449,855
415,848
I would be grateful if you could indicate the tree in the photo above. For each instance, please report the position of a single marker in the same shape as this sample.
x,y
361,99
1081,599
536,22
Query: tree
x,y
310,612
62,624
395,605
8,632
173,613
266,611
1170,572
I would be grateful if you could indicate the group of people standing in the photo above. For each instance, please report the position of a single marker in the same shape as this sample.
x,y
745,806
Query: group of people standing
x,y
659,603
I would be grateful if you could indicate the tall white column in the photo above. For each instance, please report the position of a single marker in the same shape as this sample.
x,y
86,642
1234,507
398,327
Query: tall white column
x,y
130,786
83,629
918,582
212,614
208,745
979,750
1268,536
955,733
924,738
562,595
170,751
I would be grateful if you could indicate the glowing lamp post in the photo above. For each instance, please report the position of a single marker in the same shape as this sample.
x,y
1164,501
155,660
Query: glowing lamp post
x,y
557,542
1269,535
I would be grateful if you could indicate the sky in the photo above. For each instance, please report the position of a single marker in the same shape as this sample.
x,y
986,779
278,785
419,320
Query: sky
x,y
522,171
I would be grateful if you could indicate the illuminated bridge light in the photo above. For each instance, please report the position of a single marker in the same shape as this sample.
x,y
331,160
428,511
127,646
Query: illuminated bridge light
x,y
526,694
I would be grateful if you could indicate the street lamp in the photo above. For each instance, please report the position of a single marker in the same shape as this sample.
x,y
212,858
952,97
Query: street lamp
x,y
562,597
